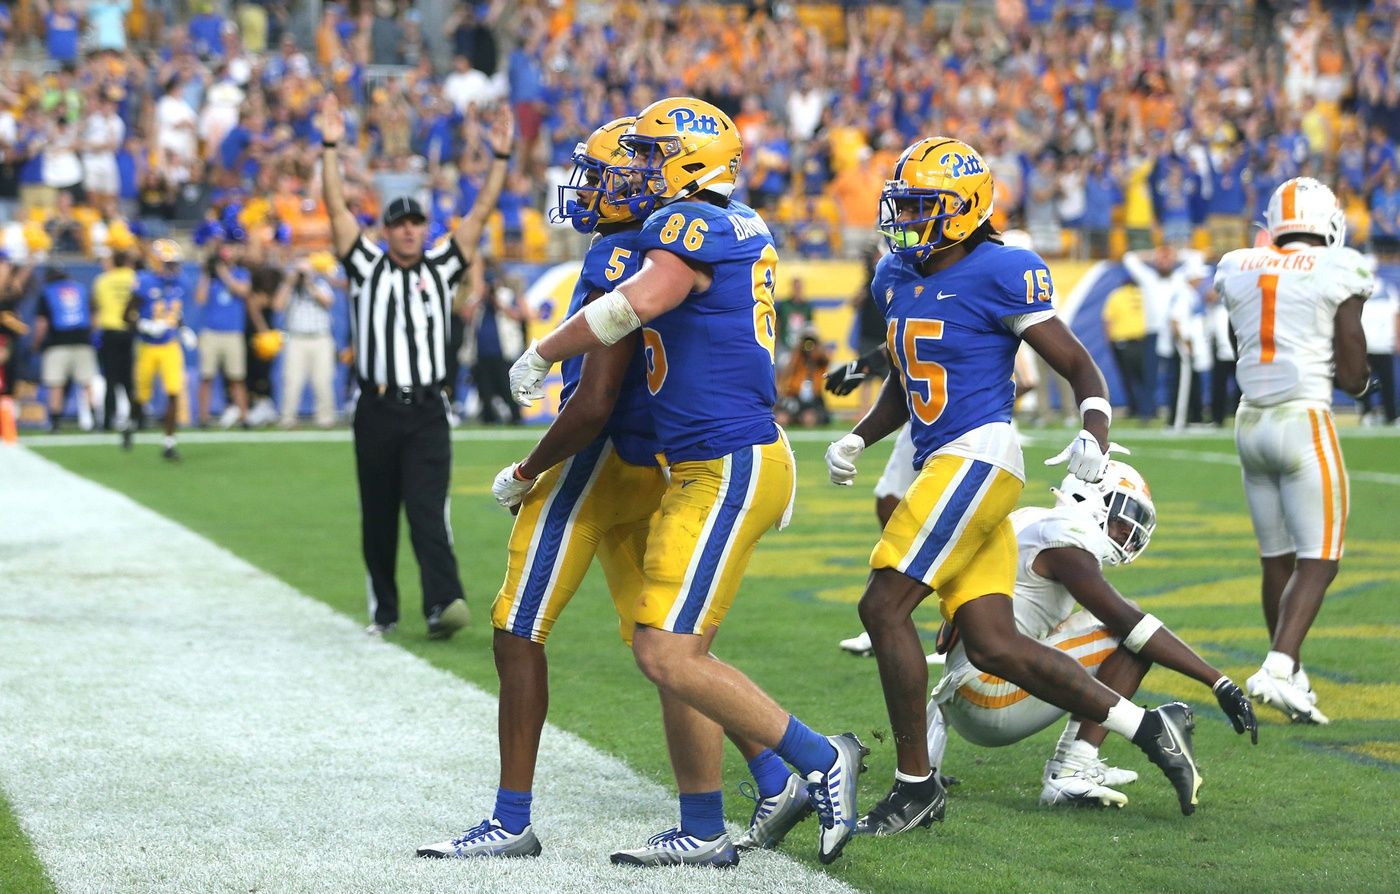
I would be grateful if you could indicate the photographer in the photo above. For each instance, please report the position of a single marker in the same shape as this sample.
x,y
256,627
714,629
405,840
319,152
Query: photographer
x,y
304,297
222,291
800,387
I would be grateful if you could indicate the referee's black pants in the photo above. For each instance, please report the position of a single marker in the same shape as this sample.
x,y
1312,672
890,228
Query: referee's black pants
x,y
114,357
403,456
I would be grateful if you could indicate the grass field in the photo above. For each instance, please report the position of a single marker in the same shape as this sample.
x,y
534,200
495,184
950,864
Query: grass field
x,y
1308,809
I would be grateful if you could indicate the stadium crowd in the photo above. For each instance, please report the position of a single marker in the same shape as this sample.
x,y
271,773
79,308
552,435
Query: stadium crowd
x,y
128,120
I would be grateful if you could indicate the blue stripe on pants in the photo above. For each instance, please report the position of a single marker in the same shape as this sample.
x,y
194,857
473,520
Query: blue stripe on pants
x,y
741,470
947,524
537,576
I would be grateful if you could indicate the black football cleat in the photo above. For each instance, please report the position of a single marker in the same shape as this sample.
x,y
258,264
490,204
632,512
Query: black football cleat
x,y
909,804
1173,754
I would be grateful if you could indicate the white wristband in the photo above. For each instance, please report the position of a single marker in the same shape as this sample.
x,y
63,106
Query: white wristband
x,y
1096,403
611,317
1139,635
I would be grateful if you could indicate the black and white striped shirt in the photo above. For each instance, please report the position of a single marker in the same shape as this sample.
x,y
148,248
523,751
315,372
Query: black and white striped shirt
x,y
400,317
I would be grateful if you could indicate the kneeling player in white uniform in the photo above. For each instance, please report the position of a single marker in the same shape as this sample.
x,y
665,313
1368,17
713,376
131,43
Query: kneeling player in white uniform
x,y
1295,313
1059,568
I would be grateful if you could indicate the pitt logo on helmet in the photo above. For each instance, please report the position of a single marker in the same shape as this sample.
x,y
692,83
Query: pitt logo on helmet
x,y
583,201
687,120
940,194
679,146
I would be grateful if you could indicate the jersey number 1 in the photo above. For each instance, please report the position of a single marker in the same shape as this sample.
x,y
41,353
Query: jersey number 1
x,y
1268,287
933,376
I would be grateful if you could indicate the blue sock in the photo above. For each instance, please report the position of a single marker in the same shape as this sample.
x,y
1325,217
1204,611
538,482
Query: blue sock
x,y
770,774
512,810
804,749
702,814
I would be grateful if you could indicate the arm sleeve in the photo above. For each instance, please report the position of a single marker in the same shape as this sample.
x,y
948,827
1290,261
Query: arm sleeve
x,y
1024,291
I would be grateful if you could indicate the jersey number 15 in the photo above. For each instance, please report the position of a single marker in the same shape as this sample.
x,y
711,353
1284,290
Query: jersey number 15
x,y
932,376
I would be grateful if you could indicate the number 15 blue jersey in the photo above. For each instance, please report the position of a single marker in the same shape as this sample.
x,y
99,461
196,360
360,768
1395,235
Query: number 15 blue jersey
x,y
953,335
710,360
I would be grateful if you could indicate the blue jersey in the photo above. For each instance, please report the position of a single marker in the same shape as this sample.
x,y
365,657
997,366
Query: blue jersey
x,y
950,336
160,298
710,360
610,260
67,306
225,311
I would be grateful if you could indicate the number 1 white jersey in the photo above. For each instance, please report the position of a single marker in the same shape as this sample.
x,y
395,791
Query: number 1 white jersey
x,y
1282,304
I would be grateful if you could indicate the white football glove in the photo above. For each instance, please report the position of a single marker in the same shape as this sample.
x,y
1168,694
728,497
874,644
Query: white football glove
x,y
152,328
1086,461
527,376
508,488
188,338
841,459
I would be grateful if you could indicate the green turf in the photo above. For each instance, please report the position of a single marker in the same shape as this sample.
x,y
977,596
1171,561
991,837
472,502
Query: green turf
x,y
20,870
1308,809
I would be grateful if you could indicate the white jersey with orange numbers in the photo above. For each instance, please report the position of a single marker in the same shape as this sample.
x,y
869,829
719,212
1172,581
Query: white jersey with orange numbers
x,y
1282,303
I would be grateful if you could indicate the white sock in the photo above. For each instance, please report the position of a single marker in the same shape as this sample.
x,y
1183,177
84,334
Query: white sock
x,y
1079,755
1067,738
1124,718
1278,664
905,777
168,441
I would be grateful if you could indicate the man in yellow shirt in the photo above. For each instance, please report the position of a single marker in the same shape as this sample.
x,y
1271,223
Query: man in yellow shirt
x,y
111,292
1125,325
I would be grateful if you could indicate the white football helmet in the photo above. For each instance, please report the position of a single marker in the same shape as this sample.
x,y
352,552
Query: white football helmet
x,y
1303,205
1122,496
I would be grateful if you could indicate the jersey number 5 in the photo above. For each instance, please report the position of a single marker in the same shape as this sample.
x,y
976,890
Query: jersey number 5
x,y
615,267
933,376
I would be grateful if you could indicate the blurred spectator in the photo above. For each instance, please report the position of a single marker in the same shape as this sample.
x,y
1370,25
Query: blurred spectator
x,y
794,315
111,292
304,298
1380,317
1190,357
467,86
1126,329
472,38
386,35
497,322
1224,392
1101,196
223,290
62,170
1042,212
103,134
63,332
107,19
62,25
1385,217
800,385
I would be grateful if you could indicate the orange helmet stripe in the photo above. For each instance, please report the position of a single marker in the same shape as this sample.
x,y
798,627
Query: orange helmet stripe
x,y
1290,197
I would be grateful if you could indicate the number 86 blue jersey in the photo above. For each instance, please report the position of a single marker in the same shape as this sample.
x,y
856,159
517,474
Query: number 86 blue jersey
x,y
710,360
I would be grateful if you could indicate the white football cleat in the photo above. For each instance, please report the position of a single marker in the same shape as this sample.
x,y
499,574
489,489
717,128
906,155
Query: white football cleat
x,y
1106,775
858,645
489,839
1079,788
1299,702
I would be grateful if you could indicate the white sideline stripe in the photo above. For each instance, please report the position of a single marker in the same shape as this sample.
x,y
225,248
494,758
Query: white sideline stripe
x,y
174,720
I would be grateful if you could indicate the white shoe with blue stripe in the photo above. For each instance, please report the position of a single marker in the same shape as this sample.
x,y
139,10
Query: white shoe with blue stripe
x,y
674,848
489,839
834,795
774,817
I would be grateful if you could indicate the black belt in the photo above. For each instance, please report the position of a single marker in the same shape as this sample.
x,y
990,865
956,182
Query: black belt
x,y
406,395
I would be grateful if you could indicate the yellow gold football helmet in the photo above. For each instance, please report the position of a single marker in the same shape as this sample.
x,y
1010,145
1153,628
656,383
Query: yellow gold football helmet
x,y
167,251
940,194
583,201
679,146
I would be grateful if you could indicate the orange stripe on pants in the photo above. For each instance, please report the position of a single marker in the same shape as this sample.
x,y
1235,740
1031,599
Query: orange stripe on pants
x,y
1341,481
1326,486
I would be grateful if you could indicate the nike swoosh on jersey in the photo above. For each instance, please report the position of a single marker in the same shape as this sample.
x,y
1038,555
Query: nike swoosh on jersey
x,y
941,295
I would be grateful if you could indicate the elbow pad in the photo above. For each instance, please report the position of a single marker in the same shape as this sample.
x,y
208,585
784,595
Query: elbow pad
x,y
611,317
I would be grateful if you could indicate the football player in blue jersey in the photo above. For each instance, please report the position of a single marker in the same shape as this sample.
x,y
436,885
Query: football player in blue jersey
x,y
156,312
589,488
704,302
958,304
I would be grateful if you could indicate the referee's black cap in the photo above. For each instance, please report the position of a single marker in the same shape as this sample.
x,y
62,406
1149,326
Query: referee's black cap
x,y
401,208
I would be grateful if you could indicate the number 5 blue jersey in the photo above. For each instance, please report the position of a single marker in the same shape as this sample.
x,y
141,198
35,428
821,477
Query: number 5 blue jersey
x,y
611,259
710,360
953,336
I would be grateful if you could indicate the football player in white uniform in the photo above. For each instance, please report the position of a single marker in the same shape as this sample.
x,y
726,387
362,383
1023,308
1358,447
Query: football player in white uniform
x,y
1062,551
1295,313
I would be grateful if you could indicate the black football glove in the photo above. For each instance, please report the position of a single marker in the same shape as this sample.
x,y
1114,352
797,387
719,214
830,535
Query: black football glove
x,y
845,378
1237,707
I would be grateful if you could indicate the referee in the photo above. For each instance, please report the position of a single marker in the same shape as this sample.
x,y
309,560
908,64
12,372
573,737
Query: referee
x,y
400,317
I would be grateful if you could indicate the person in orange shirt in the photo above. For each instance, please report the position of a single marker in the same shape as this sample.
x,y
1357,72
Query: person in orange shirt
x,y
857,191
